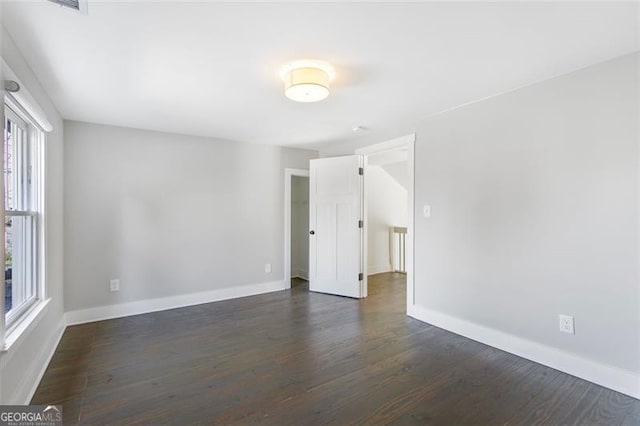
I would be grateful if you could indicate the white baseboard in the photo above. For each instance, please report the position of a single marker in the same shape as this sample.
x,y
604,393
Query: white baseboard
x,y
31,379
620,380
163,303
378,269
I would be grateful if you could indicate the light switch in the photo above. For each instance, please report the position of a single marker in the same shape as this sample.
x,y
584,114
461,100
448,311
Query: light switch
x,y
426,211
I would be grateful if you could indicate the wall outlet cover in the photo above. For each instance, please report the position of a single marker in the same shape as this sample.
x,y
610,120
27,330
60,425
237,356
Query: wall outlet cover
x,y
114,285
566,324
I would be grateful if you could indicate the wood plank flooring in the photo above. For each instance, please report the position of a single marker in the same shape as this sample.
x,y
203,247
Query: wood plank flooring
x,y
300,358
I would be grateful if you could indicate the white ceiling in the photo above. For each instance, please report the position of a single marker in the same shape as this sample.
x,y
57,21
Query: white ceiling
x,y
211,68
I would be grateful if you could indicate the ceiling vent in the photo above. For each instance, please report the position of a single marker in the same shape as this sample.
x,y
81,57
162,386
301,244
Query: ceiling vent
x,y
79,5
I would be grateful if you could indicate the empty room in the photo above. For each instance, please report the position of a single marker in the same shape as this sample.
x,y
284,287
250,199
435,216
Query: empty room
x,y
306,213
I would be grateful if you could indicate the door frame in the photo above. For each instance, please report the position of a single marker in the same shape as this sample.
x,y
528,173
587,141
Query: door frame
x,y
403,142
288,178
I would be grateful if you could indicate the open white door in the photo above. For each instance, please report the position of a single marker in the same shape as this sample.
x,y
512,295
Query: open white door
x,y
335,222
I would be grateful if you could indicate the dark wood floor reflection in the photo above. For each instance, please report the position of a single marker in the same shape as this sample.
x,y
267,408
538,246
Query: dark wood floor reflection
x,y
299,358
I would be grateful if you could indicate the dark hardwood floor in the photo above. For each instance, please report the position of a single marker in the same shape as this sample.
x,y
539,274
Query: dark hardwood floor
x,y
298,358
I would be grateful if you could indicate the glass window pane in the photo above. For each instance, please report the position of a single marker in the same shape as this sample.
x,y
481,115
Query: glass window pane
x,y
16,166
20,243
9,169
8,265
18,272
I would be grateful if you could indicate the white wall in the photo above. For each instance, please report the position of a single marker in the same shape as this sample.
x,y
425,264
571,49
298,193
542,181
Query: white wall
x,y
534,200
169,215
22,365
386,206
300,227
399,172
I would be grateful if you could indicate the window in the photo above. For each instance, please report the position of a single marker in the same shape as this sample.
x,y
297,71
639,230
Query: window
x,y
23,213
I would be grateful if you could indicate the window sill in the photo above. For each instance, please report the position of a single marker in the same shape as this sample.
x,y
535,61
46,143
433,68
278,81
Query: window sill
x,y
29,320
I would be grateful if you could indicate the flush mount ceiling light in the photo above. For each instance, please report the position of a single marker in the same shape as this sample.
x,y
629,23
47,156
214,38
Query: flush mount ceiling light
x,y
307,80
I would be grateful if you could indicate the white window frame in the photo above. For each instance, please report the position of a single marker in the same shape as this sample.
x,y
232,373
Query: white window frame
x,y
35,135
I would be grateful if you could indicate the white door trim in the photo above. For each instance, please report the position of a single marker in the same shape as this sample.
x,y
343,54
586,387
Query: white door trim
x,y
288,177
404,142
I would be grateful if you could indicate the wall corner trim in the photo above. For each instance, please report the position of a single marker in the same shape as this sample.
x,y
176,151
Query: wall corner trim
x,y
139,307
611,377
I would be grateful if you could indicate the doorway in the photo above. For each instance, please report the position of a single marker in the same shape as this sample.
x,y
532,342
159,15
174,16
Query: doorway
x,y
339,258
393,160
386,193
299,230
387,215
296,228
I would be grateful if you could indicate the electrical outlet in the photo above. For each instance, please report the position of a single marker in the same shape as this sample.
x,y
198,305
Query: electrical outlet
x,y
267,268
567,324
114,285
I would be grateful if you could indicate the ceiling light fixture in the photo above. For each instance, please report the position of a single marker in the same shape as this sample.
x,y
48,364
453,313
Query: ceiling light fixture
x,y
307,80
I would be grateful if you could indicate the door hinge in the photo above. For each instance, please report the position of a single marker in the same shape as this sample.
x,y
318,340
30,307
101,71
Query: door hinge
x,y
360,276
361,171
360,224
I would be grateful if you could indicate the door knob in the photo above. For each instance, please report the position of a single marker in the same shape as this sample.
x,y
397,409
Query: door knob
x,y
312,232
